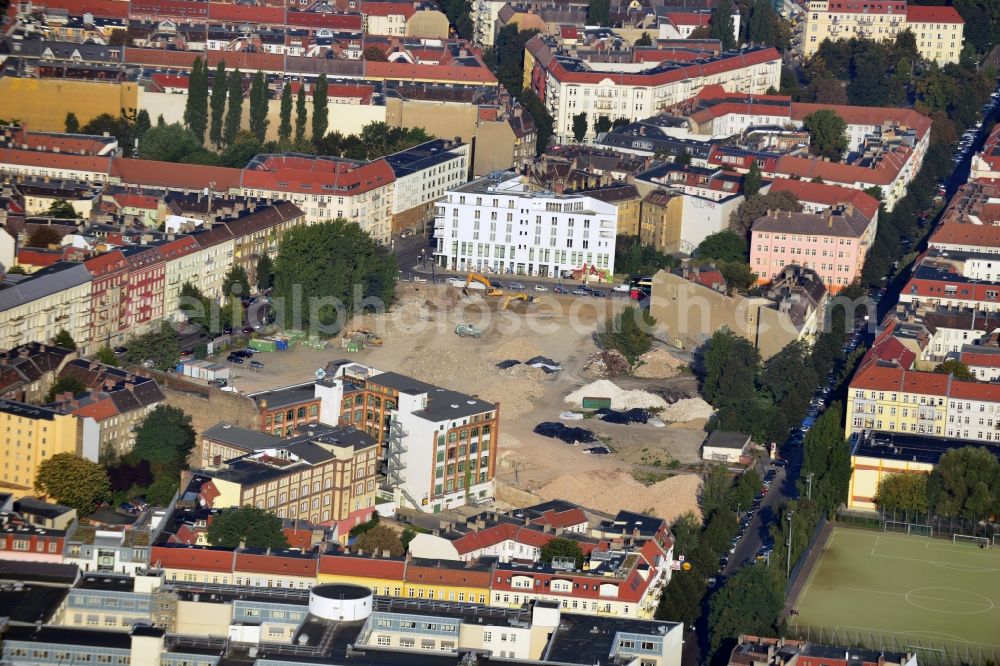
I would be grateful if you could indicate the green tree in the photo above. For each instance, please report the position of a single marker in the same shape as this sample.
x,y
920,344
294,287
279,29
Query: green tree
x,y
320,120
560,547
62,210
43,236
633,257
285,116
723,246
544,123
752,181
326,261
580,126
65,384
300,113
620,122
805,515
738,275
730,366
196,104
787,378
64,339
599,13
644,40
160,347
165,438
170,143
716,491
248,527
749,603
194,305
234,107
379,539
373,54
602,125
243,147
236,283
953,366
722,27
142,124
681,598
902,493
826,455
265,272
508,56
73,481
218,104
72,124
964,484
107,356
629,332
682,159
746,488
755,207
827,134
258,106
118,127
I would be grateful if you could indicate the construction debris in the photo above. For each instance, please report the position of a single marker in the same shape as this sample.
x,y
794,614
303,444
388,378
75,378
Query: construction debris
x,y
620,398
657,364
604,364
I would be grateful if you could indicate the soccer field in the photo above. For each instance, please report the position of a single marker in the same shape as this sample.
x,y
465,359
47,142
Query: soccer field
x,y
904,592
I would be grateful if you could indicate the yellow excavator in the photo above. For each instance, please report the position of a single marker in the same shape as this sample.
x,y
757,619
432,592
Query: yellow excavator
x,y
520,296
483,280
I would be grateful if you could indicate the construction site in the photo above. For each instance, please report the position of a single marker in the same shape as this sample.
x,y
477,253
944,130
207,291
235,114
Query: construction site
x,y
536,355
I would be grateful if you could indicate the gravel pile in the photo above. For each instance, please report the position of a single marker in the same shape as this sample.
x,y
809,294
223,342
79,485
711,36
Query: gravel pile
x,y
687,409
613,490
657,364
620,398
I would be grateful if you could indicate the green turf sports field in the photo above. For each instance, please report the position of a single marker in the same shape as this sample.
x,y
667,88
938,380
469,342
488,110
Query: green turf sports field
x,y
905,589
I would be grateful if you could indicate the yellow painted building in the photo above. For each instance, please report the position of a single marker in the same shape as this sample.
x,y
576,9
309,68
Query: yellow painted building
x,y
29,436
42,104
868,472
447,581
939,31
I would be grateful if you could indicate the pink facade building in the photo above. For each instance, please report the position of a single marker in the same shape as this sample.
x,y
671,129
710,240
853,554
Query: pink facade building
x,y
834,243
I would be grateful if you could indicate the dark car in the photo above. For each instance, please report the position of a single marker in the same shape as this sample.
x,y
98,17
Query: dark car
x,y
559,290
121,350
228,330
248,329
233,358
218,382
780,463
599,294
242,353
256,365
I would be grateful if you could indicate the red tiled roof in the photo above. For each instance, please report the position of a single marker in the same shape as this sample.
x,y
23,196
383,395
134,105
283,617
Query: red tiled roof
x,y
922,14
129,200
689,18
100,410
807,168
362,566
226,11
386,8
351,91
276,564
193,558
980,360
447,576
957,233
866,115
880,378
84,163
297,538
827,195
316,20
405,71
104,264
569,32
306,174
187,176
888,348
30,257
165,81
178,8
99,8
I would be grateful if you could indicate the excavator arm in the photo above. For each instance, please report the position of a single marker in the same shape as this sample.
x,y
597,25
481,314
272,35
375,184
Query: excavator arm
x,y
483,280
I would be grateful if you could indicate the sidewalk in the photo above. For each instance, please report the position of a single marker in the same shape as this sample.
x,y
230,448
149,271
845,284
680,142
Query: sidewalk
x,y
441,275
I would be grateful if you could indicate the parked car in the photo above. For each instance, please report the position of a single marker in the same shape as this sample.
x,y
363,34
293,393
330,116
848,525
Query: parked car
x,y
256,365
516,286
558,290
599,294
243,353
233,358
580,291
248,329
218,382
622,289
780,463
541,288
121,350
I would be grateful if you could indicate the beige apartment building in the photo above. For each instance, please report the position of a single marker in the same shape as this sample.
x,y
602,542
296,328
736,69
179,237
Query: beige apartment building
x,y
938,30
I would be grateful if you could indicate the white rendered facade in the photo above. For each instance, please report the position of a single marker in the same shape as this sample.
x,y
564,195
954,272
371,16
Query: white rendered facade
x,y
494,224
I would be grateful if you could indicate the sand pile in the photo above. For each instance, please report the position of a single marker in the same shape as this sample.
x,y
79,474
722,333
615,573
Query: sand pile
x,y
613,490
657,364
687,409
620,398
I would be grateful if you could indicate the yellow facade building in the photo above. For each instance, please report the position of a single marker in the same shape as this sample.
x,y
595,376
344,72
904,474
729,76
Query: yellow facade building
x,y
42,104
938,30
29,436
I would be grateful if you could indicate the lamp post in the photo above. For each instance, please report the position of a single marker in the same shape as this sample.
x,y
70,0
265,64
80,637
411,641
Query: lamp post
x,y
788,561
809,486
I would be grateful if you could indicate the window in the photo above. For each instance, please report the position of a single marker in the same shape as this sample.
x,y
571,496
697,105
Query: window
x,y
385,640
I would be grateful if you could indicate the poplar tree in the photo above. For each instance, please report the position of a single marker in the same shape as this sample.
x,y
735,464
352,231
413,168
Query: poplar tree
x,y
234,110
300,113
285,121
258,106
319,119
218,104
196,109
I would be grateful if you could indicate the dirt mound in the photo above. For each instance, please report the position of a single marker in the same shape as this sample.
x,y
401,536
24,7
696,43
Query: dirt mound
x,y
687,409
614,490
620,398
657,364
605,364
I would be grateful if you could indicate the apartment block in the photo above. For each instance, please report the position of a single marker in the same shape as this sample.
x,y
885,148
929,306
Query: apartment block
x,y
284,410
496,224
422,175
938,30
52,299
30,436
440,446
568,85
27,371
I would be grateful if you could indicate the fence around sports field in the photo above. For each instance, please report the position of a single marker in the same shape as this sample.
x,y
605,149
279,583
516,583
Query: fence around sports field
x,y
938,527
929,652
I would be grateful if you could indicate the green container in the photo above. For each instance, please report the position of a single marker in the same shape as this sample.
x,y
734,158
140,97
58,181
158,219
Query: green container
x,y
597,403
295,334
262,345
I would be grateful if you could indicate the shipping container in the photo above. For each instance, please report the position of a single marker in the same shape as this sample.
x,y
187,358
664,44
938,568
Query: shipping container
x,y
597,403
262,345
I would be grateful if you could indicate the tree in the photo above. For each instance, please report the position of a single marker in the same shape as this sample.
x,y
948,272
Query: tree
x,y
681,598
964,484
560,547
953,366
169,143
161,347
72,124
62,210
258,106
508,56
644,40
107,356
766,28
759,206
118,127
599,13
65,384
73,481
64,339
373,54
826,455
234,108
320,120
747,486
786,378
730,365
749,603
602,125
619,122
43,236
300,113
265,273
218,104
165,438
196,104
875,191
723,246
633,257
247,527
142,124
235,283
682,159
904,493
580,126
379,539
243,147
721,26
752,181
285,116
827,134
326,261
544,123
629,333
716,492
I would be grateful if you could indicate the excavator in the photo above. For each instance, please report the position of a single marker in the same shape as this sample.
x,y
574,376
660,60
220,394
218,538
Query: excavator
x,y
483,280
520,296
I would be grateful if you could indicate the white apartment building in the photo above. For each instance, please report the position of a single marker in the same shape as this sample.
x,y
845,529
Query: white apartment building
x,y
569,86
423,174
495,224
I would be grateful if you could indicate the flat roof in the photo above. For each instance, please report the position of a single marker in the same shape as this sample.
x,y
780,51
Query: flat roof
x,y
913,448
288,395
588,639
107,582
30,603
41,572
422,156
69,636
